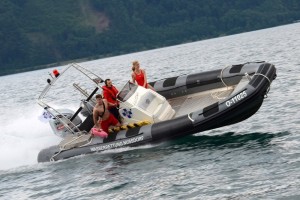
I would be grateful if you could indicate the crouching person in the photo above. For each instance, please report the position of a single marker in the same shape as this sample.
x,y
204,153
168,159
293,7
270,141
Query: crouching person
x,y
103,119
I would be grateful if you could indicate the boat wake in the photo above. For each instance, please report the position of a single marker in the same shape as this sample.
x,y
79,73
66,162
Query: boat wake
x,y
21,140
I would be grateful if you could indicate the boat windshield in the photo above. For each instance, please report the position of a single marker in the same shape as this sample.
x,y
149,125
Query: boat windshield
x,y
127,91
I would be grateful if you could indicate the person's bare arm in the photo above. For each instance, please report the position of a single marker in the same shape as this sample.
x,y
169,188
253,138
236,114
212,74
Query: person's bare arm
x,y
111,104
145,78
133,78
106,103
95,118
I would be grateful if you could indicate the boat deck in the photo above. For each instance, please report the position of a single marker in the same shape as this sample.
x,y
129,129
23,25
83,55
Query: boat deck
x,y
187,104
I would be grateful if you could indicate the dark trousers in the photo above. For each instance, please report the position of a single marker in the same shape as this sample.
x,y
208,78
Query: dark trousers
x,y
115,112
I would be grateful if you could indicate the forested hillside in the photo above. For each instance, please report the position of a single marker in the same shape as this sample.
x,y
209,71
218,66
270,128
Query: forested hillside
x,y
34,33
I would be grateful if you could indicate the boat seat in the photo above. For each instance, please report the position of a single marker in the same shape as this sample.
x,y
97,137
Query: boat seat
x,y
145,104
163,112
156,106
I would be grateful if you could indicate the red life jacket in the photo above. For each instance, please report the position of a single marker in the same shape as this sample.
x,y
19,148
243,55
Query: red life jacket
x,y
110,94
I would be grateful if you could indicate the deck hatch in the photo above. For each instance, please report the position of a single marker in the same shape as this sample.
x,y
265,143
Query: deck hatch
x,y
170,82
236,69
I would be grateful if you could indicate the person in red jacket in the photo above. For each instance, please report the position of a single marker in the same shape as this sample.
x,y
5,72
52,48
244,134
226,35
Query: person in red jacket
x,y
110,94
139,75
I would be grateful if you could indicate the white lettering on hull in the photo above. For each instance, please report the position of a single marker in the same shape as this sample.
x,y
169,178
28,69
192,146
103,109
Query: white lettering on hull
x,y
236,98
118,144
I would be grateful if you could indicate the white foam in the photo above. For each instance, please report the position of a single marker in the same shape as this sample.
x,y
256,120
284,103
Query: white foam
x,y
22,138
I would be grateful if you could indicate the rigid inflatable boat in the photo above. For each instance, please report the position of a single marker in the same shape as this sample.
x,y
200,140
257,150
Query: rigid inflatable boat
x,y
179,106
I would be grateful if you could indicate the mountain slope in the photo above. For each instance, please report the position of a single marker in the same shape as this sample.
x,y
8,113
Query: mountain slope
x,y
35,33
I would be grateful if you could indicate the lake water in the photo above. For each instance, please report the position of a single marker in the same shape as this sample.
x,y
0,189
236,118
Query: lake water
x,y
256,159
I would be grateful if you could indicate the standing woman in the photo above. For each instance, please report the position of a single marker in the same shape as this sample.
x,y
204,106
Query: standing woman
x,y
139,75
